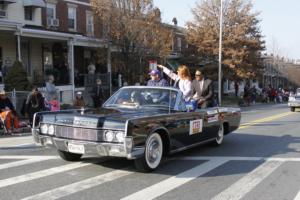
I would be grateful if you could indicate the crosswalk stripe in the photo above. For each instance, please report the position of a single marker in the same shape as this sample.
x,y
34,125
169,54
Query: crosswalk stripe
x,y
240,188
24,145
238,158
22,162
79,186
28,157
297,196
169,184
40,174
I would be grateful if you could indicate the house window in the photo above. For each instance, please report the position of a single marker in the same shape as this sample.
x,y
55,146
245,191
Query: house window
x,y
72,18
89,23
51,11
28,11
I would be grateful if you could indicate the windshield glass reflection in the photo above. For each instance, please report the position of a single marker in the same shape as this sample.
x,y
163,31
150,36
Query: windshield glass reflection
x,y
143,97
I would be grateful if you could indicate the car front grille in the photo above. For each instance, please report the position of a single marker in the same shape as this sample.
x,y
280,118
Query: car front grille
x,y
78,133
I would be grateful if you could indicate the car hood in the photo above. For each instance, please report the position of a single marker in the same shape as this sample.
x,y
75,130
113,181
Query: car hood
x,y
105,118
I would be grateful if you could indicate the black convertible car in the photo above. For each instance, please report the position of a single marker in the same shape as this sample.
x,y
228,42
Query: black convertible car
x,y
138,122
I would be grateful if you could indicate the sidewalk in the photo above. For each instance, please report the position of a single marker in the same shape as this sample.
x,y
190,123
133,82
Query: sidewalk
x,y
26,131
16,141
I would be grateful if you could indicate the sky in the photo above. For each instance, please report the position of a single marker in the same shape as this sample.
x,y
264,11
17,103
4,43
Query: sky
x,y
280,22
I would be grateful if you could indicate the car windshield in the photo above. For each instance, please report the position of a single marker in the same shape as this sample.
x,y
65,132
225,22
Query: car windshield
x,y
143,97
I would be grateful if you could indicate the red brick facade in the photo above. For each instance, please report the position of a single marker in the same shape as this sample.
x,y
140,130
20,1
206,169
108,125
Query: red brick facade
x,y
62,16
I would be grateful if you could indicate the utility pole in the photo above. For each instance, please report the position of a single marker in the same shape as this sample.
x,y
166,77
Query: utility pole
x,y
220,55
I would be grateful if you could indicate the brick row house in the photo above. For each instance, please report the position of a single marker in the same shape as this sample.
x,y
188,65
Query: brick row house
x,y
59,37
62,37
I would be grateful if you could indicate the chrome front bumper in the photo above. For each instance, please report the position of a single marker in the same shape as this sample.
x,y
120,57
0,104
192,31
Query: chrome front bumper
x,y
294,103
91,148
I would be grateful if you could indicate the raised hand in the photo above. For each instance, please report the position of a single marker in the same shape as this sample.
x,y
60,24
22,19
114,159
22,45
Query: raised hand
x,y
160,66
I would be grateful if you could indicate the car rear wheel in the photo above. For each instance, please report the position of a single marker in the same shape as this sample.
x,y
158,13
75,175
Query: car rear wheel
x,y
220,137
153,154
293,109
69,156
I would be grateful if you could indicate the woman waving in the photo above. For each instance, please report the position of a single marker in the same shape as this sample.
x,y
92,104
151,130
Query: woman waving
x,y
182,80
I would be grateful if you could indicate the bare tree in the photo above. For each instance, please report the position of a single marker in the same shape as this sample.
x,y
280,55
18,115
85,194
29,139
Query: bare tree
x,y
242,39
135,27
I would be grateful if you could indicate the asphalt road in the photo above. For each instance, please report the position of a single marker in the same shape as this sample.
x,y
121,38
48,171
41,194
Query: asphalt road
x,y
260,161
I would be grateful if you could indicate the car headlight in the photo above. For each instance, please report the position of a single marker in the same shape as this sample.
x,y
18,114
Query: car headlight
x,y
120,136
109,136
51,130
44,128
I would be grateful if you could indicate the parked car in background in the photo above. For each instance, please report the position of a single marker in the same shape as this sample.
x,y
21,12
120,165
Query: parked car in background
x,y
294,100
137,122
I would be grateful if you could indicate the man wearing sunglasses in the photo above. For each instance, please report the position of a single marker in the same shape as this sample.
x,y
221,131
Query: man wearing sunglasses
x,y
202,90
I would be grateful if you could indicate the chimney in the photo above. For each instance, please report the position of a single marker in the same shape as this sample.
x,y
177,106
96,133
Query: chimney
x,y
174,20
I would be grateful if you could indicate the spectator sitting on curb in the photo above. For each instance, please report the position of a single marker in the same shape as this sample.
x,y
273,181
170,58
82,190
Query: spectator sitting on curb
x,y
79,101
8,113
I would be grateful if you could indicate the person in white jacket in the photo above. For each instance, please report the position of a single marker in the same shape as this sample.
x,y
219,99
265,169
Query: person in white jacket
x,y
182,80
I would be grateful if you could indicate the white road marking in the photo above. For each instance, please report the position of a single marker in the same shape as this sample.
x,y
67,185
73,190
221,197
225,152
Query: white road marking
x,y
14,141
169,184
237,158
79,186
20,145
240,188
40,174
23,162
28,157
297,196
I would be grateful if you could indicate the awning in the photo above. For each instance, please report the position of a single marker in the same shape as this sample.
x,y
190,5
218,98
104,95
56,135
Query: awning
x,y
34,3
7,1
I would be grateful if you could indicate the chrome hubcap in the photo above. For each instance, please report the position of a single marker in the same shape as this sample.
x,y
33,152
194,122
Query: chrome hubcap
x,y
154,151
220,135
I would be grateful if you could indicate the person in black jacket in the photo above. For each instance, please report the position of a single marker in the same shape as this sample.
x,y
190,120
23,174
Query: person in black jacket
x,y
34,103
202,90
98,94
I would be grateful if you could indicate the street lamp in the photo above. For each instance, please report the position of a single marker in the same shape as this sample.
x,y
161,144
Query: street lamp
x,y
220,54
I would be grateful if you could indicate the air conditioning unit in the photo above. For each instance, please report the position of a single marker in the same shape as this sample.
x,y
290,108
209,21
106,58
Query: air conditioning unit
x,y
55,22
51,22
3,14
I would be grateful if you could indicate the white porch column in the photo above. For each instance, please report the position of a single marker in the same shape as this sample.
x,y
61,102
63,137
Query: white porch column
x,y
19,47
109,67
71,65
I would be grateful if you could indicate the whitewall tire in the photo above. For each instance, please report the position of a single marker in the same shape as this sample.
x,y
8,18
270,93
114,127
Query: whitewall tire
x,y
153,154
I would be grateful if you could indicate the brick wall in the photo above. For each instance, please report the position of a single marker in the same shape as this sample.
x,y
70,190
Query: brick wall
x,y
62,15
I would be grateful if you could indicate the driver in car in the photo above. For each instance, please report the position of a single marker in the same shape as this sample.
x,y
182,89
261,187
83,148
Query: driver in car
x,y
136,97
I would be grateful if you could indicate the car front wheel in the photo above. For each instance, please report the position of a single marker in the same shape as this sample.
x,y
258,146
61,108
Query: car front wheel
x,y
69,156
153,154
293,109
